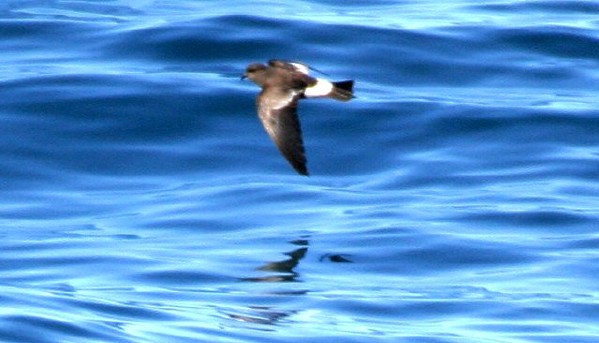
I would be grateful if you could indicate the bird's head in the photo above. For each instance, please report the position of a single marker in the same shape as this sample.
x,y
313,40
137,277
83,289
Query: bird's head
x,y
255,72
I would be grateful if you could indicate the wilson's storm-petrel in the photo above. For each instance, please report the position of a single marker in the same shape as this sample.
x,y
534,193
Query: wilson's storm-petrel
x,y
283,85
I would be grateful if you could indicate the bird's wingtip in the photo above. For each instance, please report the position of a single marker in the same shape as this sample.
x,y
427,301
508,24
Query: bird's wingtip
x,y
303,171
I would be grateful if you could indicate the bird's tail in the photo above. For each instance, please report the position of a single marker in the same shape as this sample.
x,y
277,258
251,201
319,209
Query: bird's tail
x,y
343,90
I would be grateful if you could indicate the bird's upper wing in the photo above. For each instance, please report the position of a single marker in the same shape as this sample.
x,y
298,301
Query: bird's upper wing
x,y
291,66
277,109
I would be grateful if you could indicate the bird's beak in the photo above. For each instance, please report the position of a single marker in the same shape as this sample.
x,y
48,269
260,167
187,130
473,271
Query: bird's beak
x,y
244,76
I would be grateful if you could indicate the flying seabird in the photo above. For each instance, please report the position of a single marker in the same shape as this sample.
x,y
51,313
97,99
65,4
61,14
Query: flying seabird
x,y
283,84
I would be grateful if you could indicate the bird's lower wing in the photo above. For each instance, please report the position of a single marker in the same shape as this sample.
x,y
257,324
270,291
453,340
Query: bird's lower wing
x,y
278,114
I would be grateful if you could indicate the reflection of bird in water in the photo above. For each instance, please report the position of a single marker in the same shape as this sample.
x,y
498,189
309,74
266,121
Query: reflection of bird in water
x,y
261,315
339,258
284,267
269,315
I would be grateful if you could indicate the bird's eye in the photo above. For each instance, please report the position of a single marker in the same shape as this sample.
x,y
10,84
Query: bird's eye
x,y
254,68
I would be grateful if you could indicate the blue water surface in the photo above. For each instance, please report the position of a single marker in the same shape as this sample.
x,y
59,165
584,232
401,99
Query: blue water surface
x,y
455,199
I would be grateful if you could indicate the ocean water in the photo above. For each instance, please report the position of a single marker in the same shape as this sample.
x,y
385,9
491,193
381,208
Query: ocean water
x,y
455,199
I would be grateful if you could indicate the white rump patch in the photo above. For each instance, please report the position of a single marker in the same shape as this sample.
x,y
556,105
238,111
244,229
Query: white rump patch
x,y
321,88
300,67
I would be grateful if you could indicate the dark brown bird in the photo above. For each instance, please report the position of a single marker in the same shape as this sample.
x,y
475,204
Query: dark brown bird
x,y
283,85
